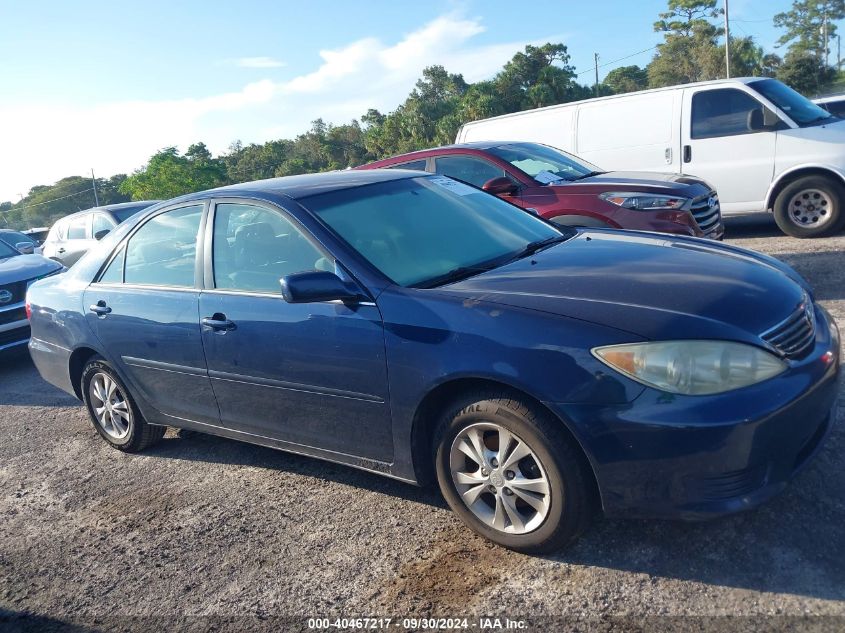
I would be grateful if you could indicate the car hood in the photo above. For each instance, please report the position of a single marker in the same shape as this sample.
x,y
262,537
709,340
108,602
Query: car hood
x,y
643,180
25,267
649,285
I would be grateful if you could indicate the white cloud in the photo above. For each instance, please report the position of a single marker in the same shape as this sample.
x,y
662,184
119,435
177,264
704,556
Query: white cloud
x,y
48,142
259,62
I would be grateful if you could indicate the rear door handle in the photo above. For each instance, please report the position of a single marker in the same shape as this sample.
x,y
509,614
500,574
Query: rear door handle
x,y
100,309
218,322
687,153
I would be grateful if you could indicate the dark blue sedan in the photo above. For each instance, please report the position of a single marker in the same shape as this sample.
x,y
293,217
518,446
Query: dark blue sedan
x,y
413,326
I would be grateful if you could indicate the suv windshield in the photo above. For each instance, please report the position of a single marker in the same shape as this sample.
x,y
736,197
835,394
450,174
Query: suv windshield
x,y
429,231
543,163
799,108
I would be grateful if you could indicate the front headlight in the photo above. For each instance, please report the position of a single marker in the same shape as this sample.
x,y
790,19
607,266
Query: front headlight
x,y
643,201
693,368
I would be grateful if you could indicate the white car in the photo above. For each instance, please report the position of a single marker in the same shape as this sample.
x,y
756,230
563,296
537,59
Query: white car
x,y
760,144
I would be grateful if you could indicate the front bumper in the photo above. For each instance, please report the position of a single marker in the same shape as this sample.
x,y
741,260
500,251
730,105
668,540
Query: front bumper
x,y
697,457
14,327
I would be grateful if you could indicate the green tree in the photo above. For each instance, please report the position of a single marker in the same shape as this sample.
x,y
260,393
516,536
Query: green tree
x,y
626,79
806,24
169,174
805,73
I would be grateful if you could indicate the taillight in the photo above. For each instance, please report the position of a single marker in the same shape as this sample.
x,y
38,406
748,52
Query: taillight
x,y
28,311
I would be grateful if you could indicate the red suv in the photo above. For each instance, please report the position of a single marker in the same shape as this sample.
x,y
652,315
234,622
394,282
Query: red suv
x,y
567,190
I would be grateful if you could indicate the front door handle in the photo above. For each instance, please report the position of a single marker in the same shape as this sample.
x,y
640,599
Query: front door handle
x,y
61,250
218,322
100,309
687,153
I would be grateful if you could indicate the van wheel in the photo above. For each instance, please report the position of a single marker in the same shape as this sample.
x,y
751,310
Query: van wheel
x,y
810,207
512,474
113,411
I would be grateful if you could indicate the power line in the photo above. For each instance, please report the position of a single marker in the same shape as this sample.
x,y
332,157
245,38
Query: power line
x,y
38,204
618,60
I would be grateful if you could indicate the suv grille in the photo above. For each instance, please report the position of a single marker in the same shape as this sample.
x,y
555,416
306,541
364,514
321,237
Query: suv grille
x,y
794,335
706,216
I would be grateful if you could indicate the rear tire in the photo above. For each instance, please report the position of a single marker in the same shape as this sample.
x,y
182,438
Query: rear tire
x,y
811,206
113,411
533,493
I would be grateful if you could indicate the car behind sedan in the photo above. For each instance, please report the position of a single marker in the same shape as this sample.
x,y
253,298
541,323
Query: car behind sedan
x,y
17,272
572,192
419,328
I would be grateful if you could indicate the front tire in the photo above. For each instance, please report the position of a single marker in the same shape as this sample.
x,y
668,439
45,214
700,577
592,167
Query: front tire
x,y
112,410
512,474
811,206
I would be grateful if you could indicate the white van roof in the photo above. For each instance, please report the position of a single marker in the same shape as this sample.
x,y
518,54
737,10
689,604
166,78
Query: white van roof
x,y
714,82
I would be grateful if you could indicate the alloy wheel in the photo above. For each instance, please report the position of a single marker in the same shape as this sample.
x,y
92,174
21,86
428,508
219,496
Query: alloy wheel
x,y
499,478
109,405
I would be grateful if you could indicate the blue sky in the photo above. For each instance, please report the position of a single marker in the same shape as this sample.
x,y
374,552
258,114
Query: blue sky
x,y
106,84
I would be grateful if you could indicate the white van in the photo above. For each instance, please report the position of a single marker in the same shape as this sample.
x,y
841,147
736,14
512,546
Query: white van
x,y
763,146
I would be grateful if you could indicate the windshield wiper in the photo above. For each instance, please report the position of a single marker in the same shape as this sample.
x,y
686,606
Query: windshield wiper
x,y
590,175
539,245
456,274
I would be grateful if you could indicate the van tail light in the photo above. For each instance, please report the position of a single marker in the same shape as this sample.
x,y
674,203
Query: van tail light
x,y
28,309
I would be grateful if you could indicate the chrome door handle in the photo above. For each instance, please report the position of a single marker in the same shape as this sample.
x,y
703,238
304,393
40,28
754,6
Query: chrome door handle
x,y
100,309
218,323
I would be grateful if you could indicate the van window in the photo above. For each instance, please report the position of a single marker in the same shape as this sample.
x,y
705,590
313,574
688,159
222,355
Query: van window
x,y
414,164
467,168
722,112
77,229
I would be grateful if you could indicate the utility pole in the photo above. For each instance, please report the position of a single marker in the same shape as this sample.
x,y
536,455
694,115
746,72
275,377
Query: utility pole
x,y
94,182
596,57
727,42
824,37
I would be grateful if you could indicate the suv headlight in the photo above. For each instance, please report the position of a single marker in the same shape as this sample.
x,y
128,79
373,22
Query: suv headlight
x,y
694,368
643,201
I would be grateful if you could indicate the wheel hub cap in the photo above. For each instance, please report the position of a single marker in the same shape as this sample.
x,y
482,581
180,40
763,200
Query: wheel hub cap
x,y
810,208
110,408
500,478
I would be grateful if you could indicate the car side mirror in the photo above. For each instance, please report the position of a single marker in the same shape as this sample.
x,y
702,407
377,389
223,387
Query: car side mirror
x,y
26,248
500,186
762,118
101,234
315,286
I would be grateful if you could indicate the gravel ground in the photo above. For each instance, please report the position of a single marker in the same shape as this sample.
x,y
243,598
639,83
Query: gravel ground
x,y
200,529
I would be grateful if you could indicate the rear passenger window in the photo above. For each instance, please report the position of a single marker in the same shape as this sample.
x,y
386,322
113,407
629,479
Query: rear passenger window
x,y
722,112
255,247
76,230
163,251
414,164
113,274
472,170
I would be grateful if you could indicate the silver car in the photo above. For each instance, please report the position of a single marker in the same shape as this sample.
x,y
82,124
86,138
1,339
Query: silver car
x,y
72,236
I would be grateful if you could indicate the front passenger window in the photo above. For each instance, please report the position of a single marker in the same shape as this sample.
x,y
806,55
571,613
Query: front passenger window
x,y
723,112
255,247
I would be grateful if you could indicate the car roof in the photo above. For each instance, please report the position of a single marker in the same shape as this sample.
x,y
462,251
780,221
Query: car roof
x,y
304,186
138,204
480,146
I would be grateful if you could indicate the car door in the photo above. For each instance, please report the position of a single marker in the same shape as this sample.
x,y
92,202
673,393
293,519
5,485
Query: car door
x,y
144,309
721,146
309,374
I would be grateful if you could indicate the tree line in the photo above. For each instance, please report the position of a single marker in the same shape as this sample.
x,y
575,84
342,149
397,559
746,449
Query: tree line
x,y
692,49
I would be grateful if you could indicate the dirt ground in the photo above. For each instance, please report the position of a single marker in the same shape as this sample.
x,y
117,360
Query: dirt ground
x,y
206,533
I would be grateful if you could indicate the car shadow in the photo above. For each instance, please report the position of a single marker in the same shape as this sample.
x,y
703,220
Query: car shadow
x,y
754,225
792,544
20,384
823,269
194,446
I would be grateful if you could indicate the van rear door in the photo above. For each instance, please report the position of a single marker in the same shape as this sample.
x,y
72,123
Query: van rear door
x,y
721,145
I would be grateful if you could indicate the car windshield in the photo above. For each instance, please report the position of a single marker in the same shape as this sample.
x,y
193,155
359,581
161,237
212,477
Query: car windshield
x,y
799,108
429,231
543,163
7,251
